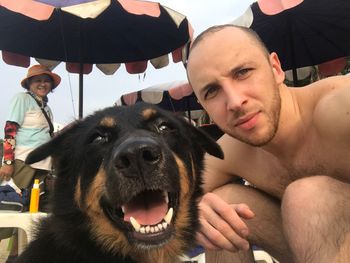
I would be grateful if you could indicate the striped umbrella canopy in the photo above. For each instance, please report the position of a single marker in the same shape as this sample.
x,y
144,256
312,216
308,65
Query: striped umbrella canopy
x,y
176,96
302,32
81,33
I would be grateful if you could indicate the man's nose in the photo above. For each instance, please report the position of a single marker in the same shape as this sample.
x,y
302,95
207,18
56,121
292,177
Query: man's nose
x,y
235,97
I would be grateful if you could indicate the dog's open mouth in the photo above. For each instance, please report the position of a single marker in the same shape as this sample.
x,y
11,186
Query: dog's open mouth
x,y
148,217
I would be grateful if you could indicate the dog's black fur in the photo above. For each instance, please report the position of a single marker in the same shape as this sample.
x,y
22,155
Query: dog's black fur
x,y
122,156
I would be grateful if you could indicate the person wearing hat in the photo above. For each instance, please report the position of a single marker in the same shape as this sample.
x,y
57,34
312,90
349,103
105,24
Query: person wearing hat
x,y
28,125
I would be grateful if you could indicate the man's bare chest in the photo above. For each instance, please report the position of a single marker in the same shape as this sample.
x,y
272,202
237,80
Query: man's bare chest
x,y
273,174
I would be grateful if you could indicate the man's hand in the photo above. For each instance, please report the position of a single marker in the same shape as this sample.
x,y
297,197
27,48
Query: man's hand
x,y
6,172
222,226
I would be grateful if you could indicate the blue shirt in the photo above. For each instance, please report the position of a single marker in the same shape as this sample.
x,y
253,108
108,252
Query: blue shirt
x,y
33,128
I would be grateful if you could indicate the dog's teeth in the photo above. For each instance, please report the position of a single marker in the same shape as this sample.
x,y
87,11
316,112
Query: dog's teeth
x,y
142,230
123,209
166,197
146,229
135,224
169,215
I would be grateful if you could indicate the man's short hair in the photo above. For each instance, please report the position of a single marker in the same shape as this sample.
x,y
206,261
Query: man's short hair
x,y
250,33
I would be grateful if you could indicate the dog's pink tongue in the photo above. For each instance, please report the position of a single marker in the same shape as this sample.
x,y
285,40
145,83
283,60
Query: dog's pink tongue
x,y
146,215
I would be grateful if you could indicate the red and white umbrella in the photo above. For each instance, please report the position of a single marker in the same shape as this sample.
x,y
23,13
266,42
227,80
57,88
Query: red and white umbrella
x,y
302,32
176,96
81,33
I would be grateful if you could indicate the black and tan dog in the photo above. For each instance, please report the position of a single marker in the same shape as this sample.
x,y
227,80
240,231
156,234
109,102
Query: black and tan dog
x,y
128,182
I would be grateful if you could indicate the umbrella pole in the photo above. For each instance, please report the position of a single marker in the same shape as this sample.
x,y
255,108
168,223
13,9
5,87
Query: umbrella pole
x,y
292,54
295,77
81,91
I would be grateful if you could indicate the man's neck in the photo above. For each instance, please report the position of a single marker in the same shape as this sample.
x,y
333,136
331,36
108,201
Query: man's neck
x,y
291,128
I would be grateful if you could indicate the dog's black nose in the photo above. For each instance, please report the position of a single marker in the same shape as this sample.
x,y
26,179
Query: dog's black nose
x,y
139,153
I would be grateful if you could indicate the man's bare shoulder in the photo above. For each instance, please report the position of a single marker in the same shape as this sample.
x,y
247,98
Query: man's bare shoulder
x,y
329,85
331,114
320,89
236,154
235,149
232,149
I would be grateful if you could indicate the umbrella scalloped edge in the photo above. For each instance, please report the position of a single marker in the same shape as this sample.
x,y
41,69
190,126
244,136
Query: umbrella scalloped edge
x,y
19,60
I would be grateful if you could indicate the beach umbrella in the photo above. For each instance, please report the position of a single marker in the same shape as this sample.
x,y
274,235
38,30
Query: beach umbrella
x,y
84,32
302,32
176,96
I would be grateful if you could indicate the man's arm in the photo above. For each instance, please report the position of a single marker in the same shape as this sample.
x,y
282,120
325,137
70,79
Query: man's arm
x,y
219,172
222,226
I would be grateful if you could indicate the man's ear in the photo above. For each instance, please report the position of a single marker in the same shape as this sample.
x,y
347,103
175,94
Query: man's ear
x,y
277,68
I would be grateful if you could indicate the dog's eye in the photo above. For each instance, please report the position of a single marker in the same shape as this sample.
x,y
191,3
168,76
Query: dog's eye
x,y
164,127
100,139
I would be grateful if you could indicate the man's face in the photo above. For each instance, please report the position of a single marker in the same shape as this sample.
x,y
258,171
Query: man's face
x,y
237,84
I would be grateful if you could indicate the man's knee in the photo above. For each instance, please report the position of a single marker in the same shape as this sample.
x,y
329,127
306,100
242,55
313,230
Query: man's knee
x,y
305,193
316,200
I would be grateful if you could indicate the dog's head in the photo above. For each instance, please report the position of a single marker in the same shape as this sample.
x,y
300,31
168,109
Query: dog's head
x,y
133,173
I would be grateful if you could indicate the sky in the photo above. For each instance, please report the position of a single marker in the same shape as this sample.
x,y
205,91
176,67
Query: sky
x,y
101,90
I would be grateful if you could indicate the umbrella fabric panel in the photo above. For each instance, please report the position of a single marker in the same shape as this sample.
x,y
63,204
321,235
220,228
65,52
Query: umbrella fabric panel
x,y
186,103
310,33
62,3
66,37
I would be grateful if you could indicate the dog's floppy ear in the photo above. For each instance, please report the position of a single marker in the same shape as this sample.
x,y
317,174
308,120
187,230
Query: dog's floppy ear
x,y
50,148
207,142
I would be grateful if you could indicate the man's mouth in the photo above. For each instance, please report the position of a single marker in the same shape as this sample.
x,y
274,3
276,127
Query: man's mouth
x,y
248,121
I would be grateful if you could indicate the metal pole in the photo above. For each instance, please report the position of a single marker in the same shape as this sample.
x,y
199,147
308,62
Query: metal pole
x,y
81,93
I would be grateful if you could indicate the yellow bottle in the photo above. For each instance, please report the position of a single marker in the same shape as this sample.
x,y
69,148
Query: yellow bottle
x,y
34,197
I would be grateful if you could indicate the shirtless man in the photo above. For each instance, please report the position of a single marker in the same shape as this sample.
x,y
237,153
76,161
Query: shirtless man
x,y
291,144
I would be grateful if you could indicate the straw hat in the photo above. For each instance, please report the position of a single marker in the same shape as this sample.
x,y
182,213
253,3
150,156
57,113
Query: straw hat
x,y
39,70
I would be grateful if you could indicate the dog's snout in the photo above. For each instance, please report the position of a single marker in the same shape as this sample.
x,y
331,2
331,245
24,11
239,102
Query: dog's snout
x,y
137,154
150,154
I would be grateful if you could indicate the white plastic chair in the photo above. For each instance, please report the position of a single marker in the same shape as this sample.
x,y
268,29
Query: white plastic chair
x,y
24,222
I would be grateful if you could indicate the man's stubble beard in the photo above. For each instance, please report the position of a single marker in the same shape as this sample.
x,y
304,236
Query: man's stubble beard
x,y
272,122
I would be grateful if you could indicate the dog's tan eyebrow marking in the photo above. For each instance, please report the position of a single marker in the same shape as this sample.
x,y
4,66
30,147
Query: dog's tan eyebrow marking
x,y
148,113
108,122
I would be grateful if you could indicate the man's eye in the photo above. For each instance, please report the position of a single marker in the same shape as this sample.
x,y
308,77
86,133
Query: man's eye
x,y
242,72
210,92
